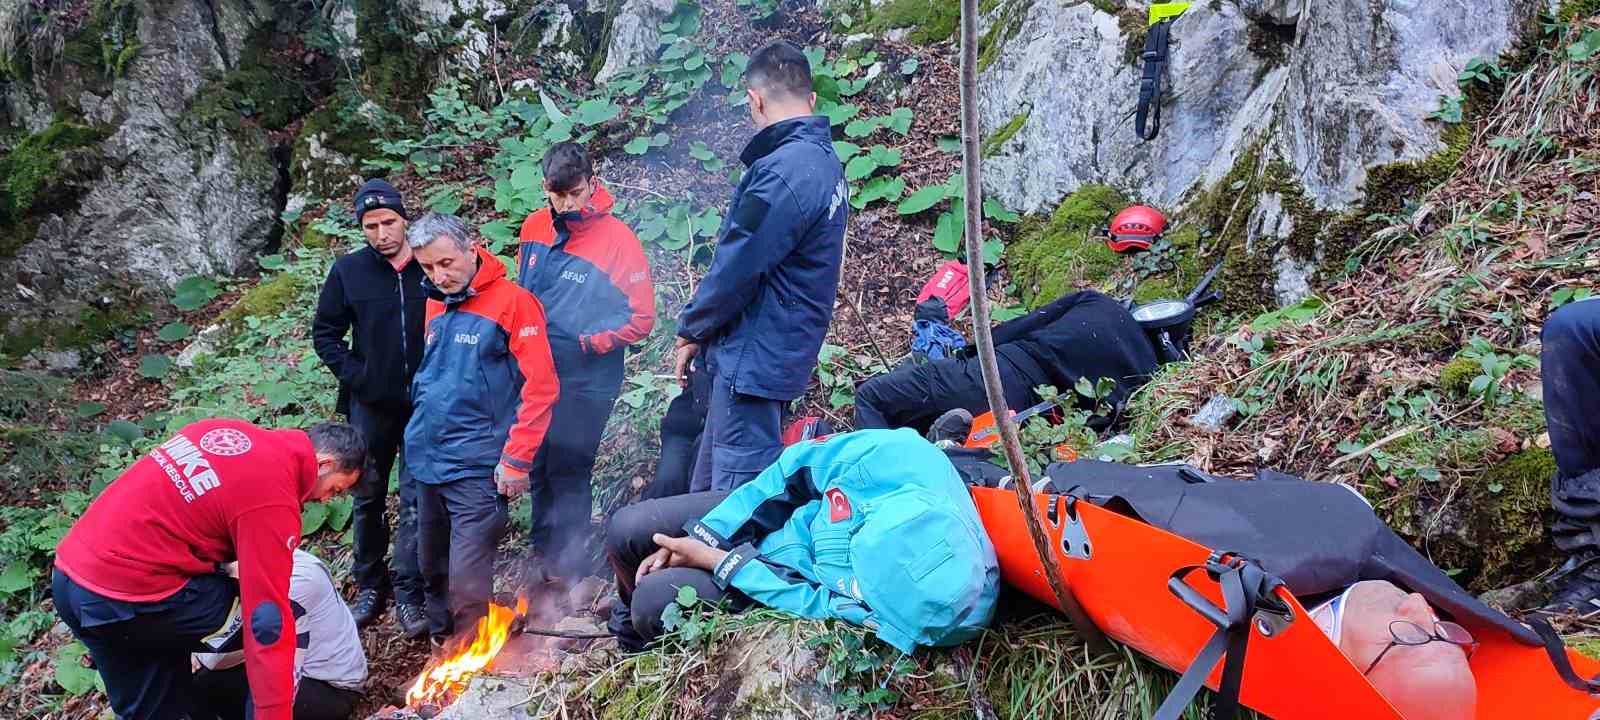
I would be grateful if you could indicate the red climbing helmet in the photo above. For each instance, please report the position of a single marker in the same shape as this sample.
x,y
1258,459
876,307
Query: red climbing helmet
x,y
1135,228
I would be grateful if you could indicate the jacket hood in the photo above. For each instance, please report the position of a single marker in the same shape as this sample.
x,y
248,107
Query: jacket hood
x,y
812,128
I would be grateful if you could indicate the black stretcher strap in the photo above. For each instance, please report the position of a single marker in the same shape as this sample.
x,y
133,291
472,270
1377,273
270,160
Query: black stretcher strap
x,y
1557,650
1147,119
1245,588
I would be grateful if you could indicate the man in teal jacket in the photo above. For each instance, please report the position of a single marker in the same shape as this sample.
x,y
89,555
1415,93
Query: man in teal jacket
x,y
872,527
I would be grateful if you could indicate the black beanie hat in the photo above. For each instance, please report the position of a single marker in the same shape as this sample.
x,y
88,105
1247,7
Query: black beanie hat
x,y
378,193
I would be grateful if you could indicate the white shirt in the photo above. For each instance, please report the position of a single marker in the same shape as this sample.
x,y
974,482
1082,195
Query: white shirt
x,y
328,645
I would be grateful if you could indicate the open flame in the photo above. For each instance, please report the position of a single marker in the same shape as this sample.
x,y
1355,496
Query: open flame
x,y
445,678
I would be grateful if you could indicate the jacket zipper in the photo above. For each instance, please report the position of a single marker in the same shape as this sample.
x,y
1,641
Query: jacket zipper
x,y
405,351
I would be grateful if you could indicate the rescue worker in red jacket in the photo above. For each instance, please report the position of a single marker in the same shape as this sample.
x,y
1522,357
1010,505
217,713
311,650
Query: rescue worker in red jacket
x,y
589,271
137,581
482,401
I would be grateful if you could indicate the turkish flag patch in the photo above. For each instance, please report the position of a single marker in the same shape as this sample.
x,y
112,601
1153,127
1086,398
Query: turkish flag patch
x,y
838,505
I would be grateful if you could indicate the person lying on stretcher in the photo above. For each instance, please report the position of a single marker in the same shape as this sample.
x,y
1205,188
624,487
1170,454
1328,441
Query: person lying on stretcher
x,y
1396,617
1415,660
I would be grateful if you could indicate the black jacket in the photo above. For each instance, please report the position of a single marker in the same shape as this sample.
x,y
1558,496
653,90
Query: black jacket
x,y
1082,335
382,311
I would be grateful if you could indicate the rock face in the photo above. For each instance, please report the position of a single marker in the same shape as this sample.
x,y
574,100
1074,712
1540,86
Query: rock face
x,y
1329,90
160,197
634,35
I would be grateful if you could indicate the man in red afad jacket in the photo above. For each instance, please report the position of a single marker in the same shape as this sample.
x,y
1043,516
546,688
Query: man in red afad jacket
x,y
589,272
137,578
482,400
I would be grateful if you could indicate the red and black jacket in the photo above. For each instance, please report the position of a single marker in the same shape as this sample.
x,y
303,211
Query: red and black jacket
x,y
487,383
591,276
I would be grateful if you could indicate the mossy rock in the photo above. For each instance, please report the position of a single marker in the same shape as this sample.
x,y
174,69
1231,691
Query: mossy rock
x,y
1571,10
257,88
1004,28
997,142
1492,533
1456,376
74,331
333,143
264,300
929,21
1054,256
35,175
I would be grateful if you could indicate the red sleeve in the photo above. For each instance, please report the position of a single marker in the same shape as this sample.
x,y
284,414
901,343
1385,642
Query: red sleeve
x,y
526,329
631,274
264,540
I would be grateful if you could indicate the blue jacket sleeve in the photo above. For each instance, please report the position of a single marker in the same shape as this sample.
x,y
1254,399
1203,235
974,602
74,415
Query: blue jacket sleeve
x,y
782,589
762,232
765,503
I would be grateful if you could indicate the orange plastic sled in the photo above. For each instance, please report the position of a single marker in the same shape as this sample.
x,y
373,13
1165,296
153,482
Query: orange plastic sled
x,y
1296,674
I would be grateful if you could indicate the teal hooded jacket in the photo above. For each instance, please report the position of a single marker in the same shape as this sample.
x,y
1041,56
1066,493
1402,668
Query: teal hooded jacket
x,y
872,527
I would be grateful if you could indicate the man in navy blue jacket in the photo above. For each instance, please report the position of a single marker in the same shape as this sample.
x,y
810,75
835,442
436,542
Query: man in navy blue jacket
x,y
762,310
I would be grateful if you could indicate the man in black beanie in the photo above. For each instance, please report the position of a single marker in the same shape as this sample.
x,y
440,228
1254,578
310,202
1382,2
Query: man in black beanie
x,y
375,295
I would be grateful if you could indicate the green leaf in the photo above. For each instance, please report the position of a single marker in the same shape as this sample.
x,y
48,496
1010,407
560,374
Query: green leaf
x,y
839,114
278,394
733,68
899,120
880,188
339,510
950,144
551,109
154,367
860,167
16,577
596,111
909,66
995,210
637,146
526,176
695,62
70,673
699,151
845,150
921,200
272,262
194,293
687,596
1585,48
1479,384
173,332
90,409
993,249
947,235
559,132
862,128
124,431
312,517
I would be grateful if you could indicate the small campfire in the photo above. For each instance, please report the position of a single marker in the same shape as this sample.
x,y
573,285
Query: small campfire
x,y
444,678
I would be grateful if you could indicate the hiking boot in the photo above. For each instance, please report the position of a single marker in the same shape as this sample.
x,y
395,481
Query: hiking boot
x,y
952,426
369,606
1577,586
413,621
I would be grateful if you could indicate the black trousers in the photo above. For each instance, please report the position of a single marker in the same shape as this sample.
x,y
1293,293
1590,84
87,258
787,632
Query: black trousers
x,y
459,524
636,615
681,430
384,431
142,649
225,692
561,484
915,395
1570,366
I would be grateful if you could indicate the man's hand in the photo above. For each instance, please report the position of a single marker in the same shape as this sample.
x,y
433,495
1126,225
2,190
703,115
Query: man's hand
x,y
510,481
689,552
659,560
685,353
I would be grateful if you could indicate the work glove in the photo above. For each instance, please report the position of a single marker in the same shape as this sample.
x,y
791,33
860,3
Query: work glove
x,y
510,481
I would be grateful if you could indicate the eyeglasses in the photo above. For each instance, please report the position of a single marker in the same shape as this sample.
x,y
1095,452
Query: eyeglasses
x,y
1410,634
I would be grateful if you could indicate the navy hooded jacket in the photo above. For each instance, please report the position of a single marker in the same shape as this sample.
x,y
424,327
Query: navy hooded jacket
x,y
764,307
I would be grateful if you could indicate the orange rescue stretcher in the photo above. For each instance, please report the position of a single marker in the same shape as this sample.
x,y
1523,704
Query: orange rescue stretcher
x,y
1118,569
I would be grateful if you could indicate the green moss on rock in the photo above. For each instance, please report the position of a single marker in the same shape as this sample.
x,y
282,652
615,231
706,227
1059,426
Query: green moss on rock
x,y
1507,508
264,300
1571,10
1003,29
998,140
1056,255
257,88
929,21
1457,375
30,175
